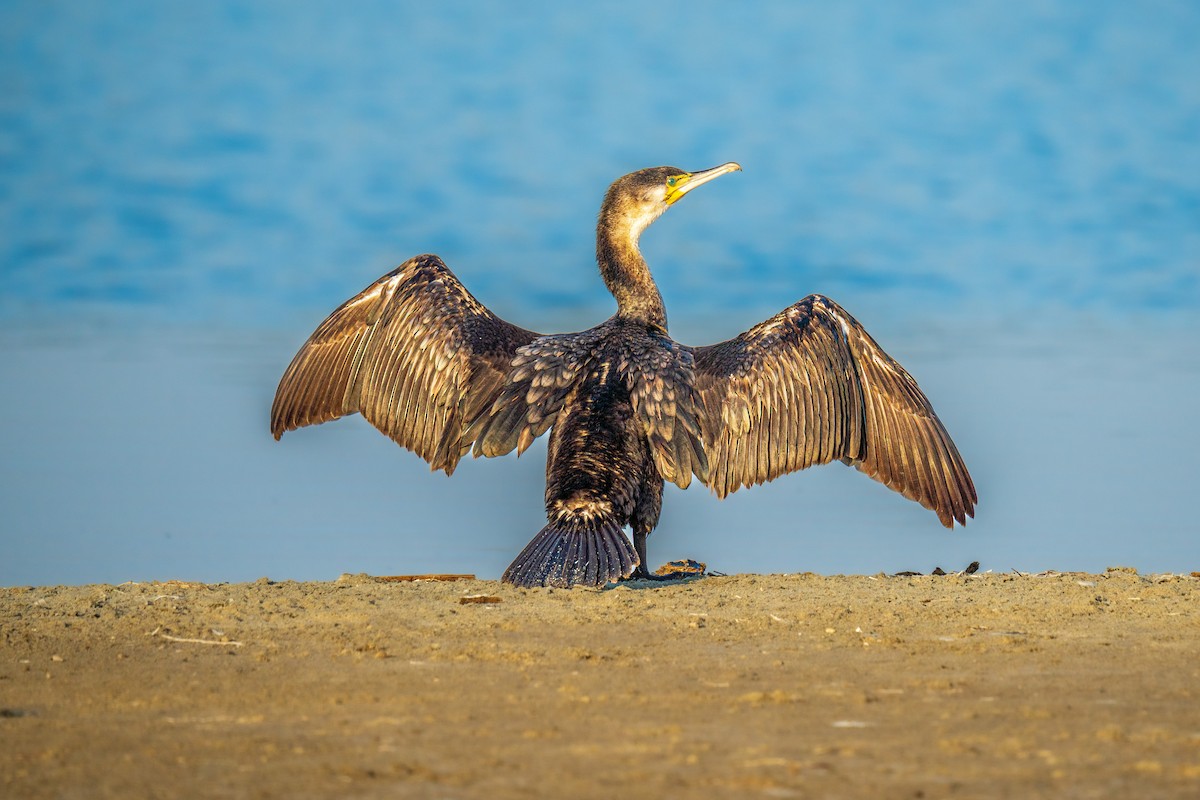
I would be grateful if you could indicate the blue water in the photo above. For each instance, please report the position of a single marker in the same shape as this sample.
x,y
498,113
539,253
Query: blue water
x,y
1007,197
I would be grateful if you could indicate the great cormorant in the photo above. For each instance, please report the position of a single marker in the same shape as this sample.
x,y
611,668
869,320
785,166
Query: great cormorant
x,y
627,406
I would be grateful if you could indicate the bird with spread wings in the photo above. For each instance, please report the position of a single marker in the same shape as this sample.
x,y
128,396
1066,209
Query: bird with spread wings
x,y
627,407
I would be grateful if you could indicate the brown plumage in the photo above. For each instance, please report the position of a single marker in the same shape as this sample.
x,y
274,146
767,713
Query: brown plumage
x,y
627,406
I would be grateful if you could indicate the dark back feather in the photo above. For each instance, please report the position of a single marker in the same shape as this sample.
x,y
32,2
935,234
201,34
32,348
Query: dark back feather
x,y
657,372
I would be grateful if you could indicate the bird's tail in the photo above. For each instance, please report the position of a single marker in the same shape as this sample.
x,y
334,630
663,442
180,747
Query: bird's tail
x,y
574,550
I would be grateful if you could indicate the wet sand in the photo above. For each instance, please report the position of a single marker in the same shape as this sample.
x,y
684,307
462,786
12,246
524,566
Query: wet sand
x,y
989,685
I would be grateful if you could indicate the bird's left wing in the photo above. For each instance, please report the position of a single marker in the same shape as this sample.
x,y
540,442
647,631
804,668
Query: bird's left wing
x,y
415,353
809,386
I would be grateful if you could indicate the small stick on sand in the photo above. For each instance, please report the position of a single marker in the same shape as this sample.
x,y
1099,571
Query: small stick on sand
x,y
438,577
479,598
158,632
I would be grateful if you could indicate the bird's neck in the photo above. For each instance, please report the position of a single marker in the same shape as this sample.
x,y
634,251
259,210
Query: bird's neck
x,y
626,274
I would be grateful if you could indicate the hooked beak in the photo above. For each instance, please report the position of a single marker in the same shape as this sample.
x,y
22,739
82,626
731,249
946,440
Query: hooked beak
x,y
685,183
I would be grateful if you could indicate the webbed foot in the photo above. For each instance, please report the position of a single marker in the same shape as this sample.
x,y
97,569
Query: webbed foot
x,y
640,573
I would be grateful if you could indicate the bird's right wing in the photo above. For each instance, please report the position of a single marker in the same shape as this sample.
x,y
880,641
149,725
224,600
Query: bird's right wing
x,y
810,386
415,353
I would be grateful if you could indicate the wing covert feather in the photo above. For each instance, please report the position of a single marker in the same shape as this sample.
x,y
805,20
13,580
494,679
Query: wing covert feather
x,y
661,377
543,373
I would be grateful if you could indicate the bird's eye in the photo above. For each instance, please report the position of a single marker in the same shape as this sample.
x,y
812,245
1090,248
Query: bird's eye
x,y
671,182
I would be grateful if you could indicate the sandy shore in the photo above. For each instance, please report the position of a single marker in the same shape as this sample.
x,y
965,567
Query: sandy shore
x,y
991,685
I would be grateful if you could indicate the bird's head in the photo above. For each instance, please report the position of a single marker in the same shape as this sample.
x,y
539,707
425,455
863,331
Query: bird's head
x,y
639,198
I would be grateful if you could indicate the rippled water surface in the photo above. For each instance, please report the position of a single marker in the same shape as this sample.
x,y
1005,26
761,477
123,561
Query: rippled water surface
x,y
1008,199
